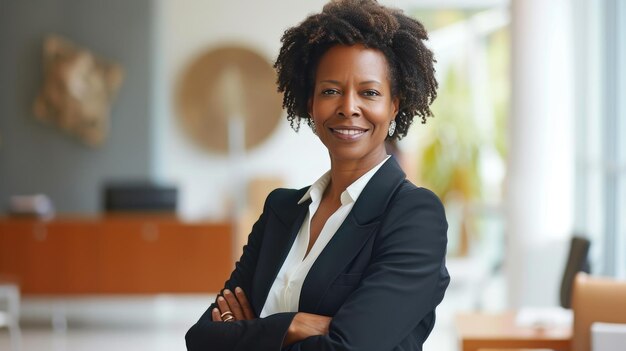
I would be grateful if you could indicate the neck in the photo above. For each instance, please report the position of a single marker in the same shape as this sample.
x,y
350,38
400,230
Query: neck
x,y
345,172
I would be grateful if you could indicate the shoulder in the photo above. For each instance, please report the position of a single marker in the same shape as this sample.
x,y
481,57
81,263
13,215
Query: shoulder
x,y
281,198
409,195
414,220
417,208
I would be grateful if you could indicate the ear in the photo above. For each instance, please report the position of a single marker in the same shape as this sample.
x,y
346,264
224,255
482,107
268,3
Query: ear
x,y
396,106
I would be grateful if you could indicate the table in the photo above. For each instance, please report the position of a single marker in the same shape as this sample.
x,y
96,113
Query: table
x,y
498,331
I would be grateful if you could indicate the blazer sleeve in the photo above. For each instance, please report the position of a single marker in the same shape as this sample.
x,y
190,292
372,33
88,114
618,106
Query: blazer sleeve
x,y
257,334
402,285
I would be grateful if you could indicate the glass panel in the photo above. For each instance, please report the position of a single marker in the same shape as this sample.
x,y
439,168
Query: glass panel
x,y
621,140
460,154
602,128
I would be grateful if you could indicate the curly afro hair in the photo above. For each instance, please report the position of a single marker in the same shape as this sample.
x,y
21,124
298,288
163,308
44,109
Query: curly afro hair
x,y
349,22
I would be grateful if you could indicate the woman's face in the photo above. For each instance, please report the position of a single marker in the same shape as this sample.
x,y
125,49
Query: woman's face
x,y
352,104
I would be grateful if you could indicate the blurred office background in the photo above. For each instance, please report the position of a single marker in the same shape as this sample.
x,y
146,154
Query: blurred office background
x,y
527,149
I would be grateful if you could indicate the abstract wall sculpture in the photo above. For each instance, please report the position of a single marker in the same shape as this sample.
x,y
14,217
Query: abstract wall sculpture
x,y
77,90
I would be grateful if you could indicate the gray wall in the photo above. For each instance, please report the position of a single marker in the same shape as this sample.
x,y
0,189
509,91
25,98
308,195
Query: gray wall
x,y
37,158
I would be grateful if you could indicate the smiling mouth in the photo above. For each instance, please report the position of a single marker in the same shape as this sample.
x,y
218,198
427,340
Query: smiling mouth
x,y
348,133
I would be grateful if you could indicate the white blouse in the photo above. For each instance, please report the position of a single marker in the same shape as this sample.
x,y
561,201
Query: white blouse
x,y
284,295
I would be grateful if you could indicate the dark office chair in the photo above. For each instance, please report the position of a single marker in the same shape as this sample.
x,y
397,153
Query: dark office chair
x,y
577,261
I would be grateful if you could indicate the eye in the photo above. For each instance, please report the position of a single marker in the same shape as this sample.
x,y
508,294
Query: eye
x,y
371,92
330,92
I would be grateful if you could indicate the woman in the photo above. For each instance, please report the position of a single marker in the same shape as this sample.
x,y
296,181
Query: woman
x,y
356,260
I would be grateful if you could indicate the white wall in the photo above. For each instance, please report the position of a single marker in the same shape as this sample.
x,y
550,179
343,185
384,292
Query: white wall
x,y
187,28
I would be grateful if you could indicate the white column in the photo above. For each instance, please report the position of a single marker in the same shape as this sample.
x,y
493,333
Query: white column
x,y
539,194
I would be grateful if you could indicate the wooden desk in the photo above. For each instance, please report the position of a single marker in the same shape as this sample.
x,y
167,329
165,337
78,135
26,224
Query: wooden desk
x,y
478,331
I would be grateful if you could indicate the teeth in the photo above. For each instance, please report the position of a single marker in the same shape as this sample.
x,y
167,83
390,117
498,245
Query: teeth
x,y
349,131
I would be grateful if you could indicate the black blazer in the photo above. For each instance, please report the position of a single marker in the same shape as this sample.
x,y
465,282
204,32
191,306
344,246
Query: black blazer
x,y
380,277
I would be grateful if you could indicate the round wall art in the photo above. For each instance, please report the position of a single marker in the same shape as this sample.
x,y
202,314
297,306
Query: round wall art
x,y
227,96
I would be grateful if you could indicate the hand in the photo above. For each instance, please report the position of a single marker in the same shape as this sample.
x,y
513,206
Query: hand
x,y
305,325
233,307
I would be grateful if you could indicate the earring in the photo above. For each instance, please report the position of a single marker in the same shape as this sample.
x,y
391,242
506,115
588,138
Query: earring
x,y
392,127
313,126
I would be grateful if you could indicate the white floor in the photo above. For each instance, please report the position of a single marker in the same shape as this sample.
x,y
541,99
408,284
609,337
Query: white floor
x,y
159,322
107,322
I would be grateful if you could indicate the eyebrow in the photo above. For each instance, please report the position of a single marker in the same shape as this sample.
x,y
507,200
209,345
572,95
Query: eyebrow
x,y
361,83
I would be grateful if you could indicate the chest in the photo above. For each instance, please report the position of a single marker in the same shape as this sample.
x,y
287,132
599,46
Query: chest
x,y
319,219
335,272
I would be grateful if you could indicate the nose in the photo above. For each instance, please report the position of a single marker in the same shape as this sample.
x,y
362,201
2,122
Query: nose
x,y
349,105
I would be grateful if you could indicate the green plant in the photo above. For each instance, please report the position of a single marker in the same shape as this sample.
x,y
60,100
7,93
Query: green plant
x,y
450,158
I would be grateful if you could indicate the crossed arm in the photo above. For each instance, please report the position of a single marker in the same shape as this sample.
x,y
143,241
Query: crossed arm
x,y
235,307
244,331
399,291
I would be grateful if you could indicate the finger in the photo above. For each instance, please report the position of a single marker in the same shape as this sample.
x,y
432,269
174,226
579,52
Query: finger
x,y
235,308
215,315
245,305
223,305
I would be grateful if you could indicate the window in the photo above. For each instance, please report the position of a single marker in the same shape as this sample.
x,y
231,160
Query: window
x,y
601,133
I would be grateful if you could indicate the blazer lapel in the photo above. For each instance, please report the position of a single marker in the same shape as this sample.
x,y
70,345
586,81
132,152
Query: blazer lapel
x,y
280,233
358,226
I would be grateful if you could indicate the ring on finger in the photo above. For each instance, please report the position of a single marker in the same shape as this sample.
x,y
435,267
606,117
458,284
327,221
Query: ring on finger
x,y
227,313
230,318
